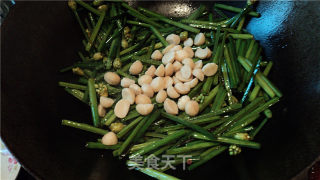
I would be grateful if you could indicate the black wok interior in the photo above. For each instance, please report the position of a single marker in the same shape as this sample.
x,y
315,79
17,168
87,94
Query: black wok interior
x,y
39,38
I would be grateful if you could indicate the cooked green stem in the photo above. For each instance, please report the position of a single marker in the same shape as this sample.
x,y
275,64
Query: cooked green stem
x,y
84,126
218,101
137,53
124,74
112,52
137,147
156,135
110,119
254,104
159,36
131,137
195,120
234,9
207,85
77,94
232,73
241,36
104,41
95,31
268,113
71,85
195,90
265,83
191,148
186,123
129,49
241,23
169,21
98,145
210,27
88,7
208,23
93,102
127,128
227,82
131,115
114,14
141,17
208,99
151,48
216,43
151,172
197,13
170,138
257,88
246,120
228,140
153,116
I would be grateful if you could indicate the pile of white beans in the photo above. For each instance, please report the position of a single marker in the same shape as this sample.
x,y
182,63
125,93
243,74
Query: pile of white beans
x,y
170,82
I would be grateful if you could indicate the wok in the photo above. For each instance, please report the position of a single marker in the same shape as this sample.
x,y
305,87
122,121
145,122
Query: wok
x,y
39,38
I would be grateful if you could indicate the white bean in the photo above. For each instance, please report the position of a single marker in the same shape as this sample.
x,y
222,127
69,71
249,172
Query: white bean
x,y
182,101
170,106
171,91
151,70
144,109
136,68
186,71
182,88
168,57
175,80
181,78
126,82
192,108
144,79
160,71
157,84
168,81
112,78
198,74
189,62
161,96
188,42
167,49
198,64
189,50
109,139
210,69
128,94
199,39
175,48
143,99
101,111
147,90
122,108
180,55
209,52
202,53
169,69
106,102
173,39
136,89
156,55
192,83
177,66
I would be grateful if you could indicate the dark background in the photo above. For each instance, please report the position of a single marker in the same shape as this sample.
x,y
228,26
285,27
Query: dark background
x,y
39,38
